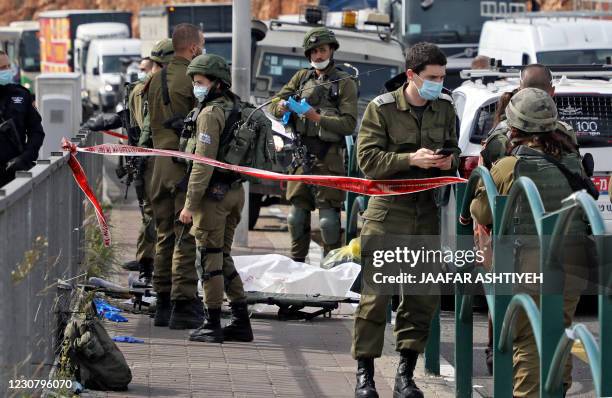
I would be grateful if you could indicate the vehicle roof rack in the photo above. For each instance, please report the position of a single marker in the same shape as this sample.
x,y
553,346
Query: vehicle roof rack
x,y
515,10
600,71
276,23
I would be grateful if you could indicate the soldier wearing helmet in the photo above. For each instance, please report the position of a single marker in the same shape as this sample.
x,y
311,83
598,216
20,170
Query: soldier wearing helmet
x,y
531,116
160,55
170,98
214,202
323,110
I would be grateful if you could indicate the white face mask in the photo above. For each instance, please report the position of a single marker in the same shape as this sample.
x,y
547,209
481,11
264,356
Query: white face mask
x,y
320,65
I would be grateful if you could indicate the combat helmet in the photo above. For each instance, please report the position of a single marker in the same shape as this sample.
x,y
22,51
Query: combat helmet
x,y
532,110
317,37
163,51
211,65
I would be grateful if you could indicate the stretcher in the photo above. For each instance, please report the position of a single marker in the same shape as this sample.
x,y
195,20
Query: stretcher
x,y
290,306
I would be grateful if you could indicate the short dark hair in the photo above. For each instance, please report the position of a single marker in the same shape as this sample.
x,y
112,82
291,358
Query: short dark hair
x,y
185,35
422,54
536,76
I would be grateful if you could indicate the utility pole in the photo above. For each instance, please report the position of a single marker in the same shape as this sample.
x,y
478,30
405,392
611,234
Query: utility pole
x,y
241,85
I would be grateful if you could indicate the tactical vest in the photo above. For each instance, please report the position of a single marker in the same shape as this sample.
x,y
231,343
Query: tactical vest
x,y
552,186
326,98
246,139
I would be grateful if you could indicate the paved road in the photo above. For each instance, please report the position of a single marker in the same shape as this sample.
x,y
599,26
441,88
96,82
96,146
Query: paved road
x,y
287,358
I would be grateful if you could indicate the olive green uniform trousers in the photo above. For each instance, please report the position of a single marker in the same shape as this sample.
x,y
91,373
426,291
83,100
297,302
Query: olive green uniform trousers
x,y
175,270
413,214
214,224
147,237
310,197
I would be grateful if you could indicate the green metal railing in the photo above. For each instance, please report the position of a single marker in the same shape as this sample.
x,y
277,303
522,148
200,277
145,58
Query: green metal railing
x,y
553,341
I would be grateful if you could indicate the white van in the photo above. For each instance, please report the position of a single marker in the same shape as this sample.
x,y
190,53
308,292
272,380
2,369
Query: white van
x,y
105,67
548,41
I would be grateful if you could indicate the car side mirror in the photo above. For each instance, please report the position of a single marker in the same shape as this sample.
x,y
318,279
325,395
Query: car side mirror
x,y
96,71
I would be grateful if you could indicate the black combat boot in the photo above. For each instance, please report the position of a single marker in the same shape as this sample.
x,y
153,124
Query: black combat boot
x,y
131,266
163,306
239,327
210,331
184,315
365,387
299,259
404,381
145,276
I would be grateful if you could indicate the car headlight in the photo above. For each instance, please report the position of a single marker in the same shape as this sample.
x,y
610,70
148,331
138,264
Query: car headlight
x,y
108,87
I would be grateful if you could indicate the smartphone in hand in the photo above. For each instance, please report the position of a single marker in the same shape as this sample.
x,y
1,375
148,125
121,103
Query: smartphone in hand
x,y
445,151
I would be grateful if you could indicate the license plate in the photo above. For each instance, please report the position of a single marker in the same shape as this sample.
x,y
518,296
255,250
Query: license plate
x,y
601,182
603,203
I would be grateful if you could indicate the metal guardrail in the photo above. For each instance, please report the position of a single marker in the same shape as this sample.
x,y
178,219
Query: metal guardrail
x,y
553,342
41,240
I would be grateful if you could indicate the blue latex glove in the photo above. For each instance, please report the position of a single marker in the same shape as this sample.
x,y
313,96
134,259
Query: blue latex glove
x,y
103,306
127,339
114,316
285,118
298,107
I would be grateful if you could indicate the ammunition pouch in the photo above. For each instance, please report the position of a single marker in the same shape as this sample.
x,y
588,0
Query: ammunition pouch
x,y
326,135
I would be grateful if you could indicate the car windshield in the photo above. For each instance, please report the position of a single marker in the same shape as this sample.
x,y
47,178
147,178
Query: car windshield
x,y
574,57
221,48
590,116
113,63
280,68
30,52
431,24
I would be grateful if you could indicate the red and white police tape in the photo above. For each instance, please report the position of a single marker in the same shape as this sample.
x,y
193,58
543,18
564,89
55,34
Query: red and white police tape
x,y
352,184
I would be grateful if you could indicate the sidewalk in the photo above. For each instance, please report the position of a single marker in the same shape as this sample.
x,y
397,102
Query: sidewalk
x,y
287,359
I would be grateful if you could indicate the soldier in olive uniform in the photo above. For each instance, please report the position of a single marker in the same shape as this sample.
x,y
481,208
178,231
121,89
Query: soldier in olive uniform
x,y
399,133
328,114
161,53
170,98
214,202
532,119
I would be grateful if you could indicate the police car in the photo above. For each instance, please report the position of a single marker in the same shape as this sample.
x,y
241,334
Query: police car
x,y
584,99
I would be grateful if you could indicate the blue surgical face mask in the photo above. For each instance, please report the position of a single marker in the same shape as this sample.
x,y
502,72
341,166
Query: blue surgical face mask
x,y
6,77
200,92
429,90
142,75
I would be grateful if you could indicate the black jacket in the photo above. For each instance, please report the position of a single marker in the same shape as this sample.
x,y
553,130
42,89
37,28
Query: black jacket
x,y
16,104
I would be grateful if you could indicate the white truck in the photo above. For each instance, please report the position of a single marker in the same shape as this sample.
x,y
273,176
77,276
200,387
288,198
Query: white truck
x,y
215,20
104,70
89,48
549,38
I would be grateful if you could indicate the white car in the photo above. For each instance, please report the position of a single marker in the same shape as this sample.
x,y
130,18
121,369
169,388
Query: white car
x,y
584,103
